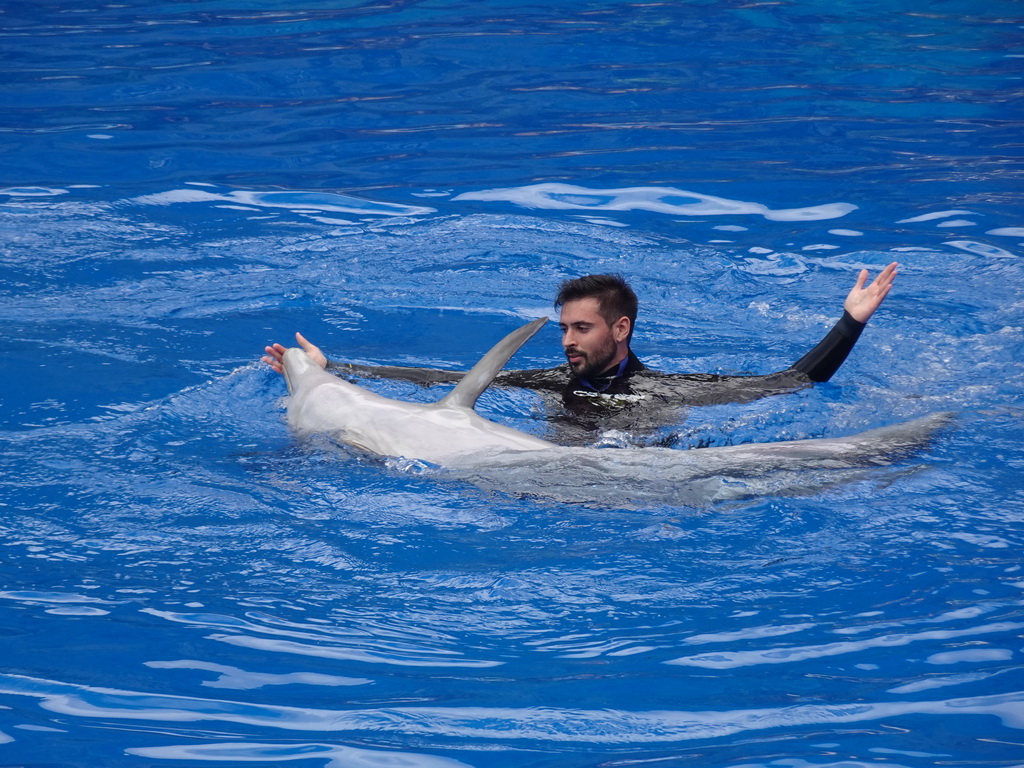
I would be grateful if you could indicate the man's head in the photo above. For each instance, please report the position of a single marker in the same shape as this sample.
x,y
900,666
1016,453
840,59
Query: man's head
x,y
598,313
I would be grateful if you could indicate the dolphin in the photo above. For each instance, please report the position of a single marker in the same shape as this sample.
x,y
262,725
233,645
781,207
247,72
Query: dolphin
x,y
443,433
452,435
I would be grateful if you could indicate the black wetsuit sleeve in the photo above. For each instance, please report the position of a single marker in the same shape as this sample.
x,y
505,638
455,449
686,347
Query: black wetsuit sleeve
x,y
550,379
818,365
541,378
422,376
828,354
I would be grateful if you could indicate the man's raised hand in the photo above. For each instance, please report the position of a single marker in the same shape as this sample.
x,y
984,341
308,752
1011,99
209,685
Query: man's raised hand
x,y
275,354
863,301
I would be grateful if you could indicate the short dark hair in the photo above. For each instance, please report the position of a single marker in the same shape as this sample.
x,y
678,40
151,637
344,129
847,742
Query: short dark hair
x,y
615,298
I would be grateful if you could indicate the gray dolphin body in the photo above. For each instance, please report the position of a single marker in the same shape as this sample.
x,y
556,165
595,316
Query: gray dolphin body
x,y
450,434
447,433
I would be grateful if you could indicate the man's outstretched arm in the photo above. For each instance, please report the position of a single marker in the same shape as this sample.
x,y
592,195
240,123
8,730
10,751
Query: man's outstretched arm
x,y
425,376
821,363
818,365
422,376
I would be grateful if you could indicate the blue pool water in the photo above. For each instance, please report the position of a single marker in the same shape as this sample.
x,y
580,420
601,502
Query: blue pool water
x,y
182,582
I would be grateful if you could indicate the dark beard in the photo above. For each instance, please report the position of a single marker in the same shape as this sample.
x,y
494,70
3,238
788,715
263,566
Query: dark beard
x,y
596,366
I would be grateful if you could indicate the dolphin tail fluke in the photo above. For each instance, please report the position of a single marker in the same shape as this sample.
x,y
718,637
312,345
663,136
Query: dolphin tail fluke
x,y
476,381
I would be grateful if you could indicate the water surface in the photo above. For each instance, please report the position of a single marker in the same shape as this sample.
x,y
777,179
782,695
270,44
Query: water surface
x,y
183,582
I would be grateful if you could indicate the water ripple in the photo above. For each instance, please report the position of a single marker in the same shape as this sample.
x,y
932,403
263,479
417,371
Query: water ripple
x,y
338,756
324,643
667,200
734,659
292,200
503,724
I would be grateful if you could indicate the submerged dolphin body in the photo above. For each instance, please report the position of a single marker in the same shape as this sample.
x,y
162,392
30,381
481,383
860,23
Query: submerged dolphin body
x,y
639,478
452,435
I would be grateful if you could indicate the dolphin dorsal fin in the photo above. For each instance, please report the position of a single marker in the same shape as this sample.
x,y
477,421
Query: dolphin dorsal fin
x,y
482,374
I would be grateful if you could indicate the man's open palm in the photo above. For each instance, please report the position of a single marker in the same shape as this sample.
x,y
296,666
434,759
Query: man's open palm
x,y
863,301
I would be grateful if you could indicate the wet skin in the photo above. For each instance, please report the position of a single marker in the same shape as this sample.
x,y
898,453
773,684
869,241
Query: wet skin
x,y
591,345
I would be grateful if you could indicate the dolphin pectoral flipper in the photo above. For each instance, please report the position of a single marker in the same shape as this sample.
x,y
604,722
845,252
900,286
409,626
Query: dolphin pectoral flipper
x,y
482,374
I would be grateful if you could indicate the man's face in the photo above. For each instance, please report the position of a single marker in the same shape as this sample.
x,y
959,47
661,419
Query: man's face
x,y
591,345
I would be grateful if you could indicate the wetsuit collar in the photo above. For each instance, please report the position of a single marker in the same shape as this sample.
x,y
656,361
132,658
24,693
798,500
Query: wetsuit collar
x,y
607,380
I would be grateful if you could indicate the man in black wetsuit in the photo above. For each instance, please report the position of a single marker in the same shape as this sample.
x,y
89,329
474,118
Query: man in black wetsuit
x,y
603,385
